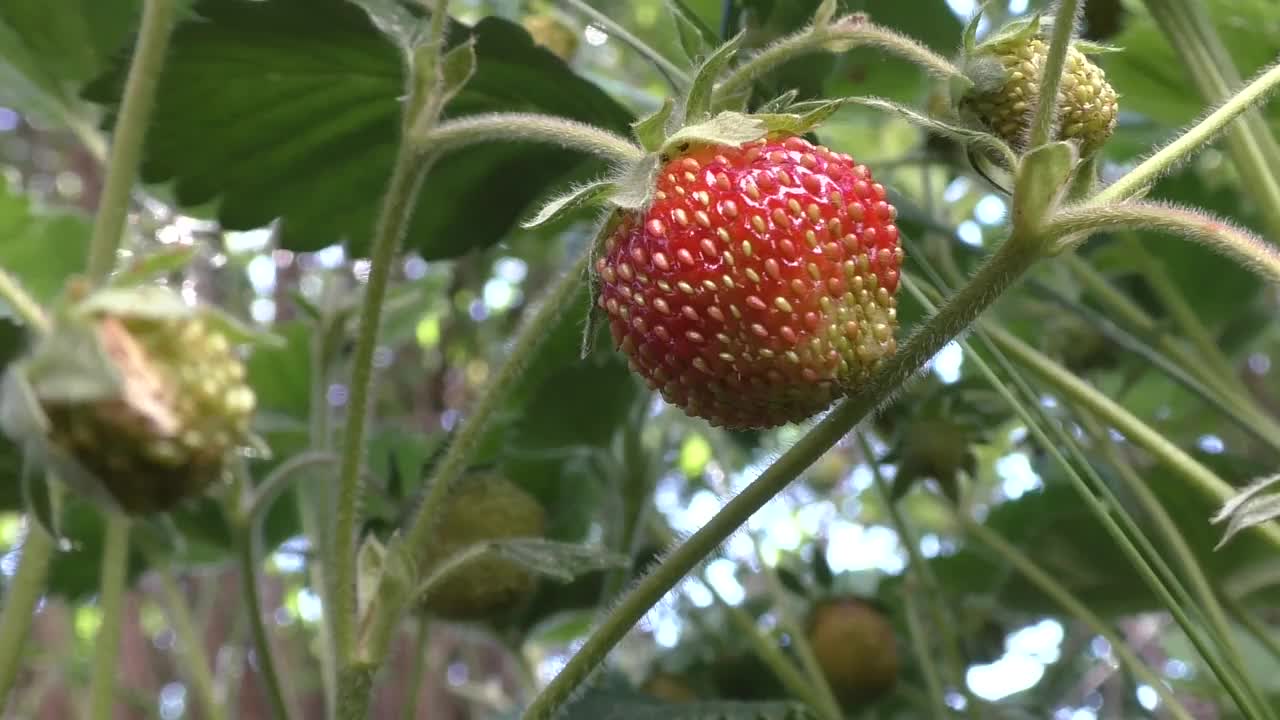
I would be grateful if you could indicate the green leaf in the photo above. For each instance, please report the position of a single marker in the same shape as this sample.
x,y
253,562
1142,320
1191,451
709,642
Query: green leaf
x,y
297,106
825,12
47,53
698,40
651,131
558,208
40,247
155,264
458,66
697,104
145,302
1248,509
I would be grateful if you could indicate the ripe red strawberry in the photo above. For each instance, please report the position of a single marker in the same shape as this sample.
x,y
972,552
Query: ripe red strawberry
x,y
759,284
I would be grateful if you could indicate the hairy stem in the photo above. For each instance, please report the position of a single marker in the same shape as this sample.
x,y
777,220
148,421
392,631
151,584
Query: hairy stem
x,y
192,652
530,127
393,222
413,686
771,655
840,35
676,77
130,130
919,571
24,590
1238,244
996,275
451,467
115,567
26,308
1063,597
1191,141
1046,117
1251,143
246,541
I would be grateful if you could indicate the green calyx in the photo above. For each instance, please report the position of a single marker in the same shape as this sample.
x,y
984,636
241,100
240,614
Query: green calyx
x,y
697,117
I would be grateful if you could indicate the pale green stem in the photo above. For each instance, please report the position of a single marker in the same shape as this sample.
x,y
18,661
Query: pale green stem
x,y
24,590
1173,537
1251,251
127,138
27,309
676,77
246,541
191,648
1063,597
997,274
114,568
770,654
451,467
1251,143
924,657
317,502
1081,393
530,127
919,569
397,210
1194,139
827,705
840,35
413,686
1046,117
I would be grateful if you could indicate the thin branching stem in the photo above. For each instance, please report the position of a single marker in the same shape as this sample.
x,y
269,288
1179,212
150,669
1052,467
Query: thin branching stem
x,y
675,77
530,127
25,589
1046,117
115,566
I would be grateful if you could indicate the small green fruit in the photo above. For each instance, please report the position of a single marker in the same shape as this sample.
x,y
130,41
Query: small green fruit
x,y
484,507
856,647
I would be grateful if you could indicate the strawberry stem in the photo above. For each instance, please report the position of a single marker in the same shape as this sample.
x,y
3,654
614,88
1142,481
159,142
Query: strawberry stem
x,y
840,35
1193,140
1001,270
25,589
27,309
529,127
1251,251
675,77
192,651
1046,117
130,131
1254,151
115,565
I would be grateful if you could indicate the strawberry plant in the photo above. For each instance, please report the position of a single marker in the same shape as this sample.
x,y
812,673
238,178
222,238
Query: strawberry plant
x,y
670,358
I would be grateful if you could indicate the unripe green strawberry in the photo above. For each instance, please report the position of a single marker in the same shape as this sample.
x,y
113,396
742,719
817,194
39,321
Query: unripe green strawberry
x,y
759,284
484,507
1087,105
182,405
856,647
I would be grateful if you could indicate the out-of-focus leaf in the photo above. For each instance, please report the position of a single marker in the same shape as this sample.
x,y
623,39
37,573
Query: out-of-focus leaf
x,y
613,699
290,109
39,247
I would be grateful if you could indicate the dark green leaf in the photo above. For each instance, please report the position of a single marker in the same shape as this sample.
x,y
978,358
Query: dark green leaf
x,y
40,248
290,109
613,699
